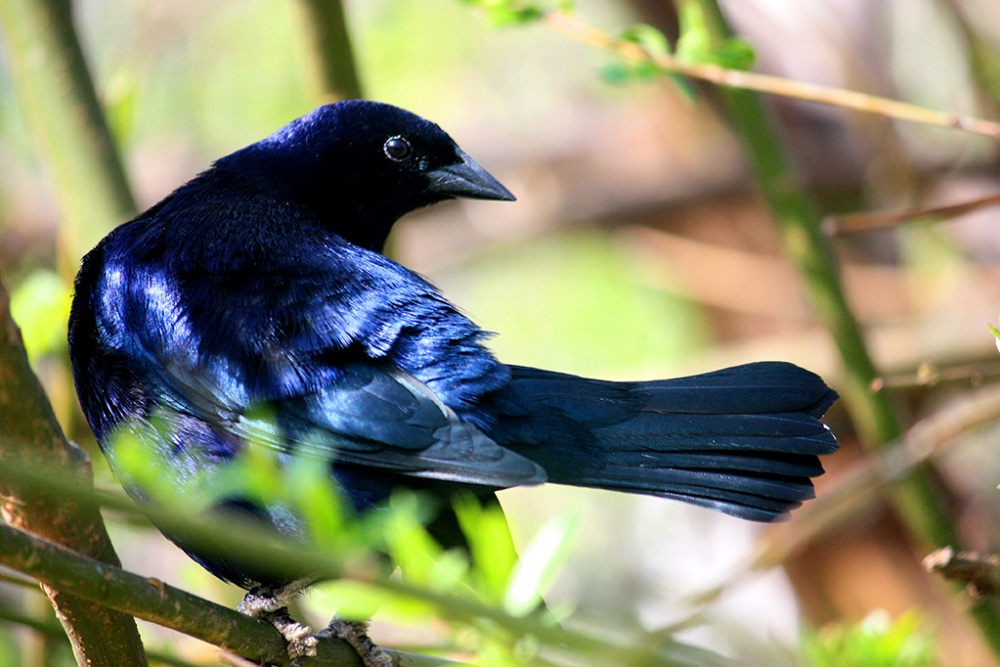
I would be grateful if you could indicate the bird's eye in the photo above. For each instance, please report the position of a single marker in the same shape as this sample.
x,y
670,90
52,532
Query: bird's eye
x,y
397,148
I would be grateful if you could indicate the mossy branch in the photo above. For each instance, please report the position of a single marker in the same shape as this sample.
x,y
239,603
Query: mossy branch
x,y
29,433
159,603
156,602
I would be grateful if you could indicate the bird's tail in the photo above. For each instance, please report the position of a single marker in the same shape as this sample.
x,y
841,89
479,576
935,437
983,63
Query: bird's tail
x,y
743,440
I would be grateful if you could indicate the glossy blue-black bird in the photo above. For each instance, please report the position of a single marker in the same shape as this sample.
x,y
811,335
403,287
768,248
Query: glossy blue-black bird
x,y
261,283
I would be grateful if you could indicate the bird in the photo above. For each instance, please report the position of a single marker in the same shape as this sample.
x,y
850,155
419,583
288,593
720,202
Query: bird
x,y
262,282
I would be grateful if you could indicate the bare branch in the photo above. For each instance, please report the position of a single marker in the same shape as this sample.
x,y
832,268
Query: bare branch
x,y
864,222
979,572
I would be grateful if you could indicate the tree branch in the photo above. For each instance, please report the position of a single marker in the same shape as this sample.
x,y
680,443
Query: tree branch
x,y
30,435
979,572
51,628
154,601
149,599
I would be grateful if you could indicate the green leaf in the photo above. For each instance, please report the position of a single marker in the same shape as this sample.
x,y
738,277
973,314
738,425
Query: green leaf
x,y
652,40
616,73
996,334
539,564
317,499
420,558
509,12
876,641
350,598
40,306
735,53
696,44
490,544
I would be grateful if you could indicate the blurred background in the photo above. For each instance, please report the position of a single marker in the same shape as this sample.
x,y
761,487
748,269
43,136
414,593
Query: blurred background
x,y
639,247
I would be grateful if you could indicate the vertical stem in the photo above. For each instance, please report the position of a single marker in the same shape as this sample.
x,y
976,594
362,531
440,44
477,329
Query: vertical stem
x,y
60,106
983,55
916,499
331,39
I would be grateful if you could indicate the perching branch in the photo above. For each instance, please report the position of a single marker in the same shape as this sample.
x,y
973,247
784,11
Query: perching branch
x,y
30,435
50,628
154,601
142,596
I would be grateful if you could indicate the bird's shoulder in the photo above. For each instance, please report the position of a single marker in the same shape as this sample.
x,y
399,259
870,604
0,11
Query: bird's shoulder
x,y
277,309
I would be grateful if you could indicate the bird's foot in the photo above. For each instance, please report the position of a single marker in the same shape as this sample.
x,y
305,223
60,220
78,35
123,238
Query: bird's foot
x,y
355,633
271,608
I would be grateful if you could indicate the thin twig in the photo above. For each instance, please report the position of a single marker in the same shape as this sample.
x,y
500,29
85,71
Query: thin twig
x,y
929,375
863,222
573,26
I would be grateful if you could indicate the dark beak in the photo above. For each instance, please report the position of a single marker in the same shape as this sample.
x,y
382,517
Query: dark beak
x,y
466,179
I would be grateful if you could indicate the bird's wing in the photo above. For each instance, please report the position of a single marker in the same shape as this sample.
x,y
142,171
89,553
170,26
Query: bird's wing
x,y
324,365
378,416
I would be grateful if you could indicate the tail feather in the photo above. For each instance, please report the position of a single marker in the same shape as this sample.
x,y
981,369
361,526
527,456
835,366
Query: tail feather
x,y
743,440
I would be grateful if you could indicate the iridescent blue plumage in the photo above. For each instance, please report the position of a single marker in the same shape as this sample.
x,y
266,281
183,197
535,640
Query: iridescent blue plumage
x,y
261,283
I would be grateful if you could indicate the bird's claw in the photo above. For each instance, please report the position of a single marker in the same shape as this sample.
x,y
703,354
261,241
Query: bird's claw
x,y
302,643
355,633
300,638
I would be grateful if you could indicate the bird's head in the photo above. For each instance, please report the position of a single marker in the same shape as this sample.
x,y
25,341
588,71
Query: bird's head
x,y
361,165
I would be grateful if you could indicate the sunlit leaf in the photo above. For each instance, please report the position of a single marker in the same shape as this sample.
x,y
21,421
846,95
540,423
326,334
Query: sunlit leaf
x,y
697,45
509,12
876,641
40,306
490,544
317,499
539,565
651,39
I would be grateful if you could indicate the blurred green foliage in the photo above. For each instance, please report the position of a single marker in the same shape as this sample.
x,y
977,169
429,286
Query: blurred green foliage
x,y
508,12
298,485
9,648
876,641
574,303
40,306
